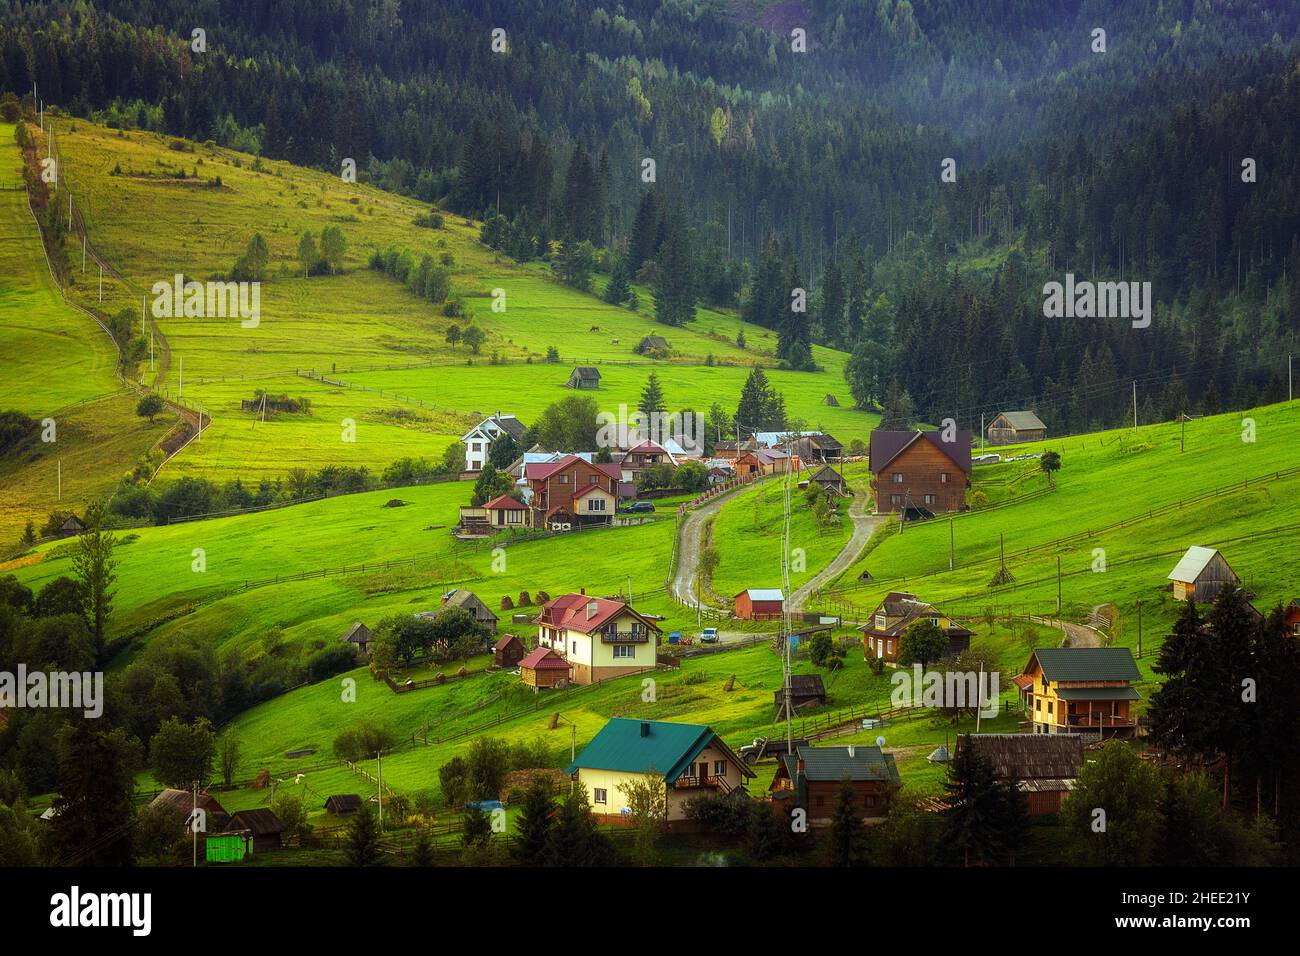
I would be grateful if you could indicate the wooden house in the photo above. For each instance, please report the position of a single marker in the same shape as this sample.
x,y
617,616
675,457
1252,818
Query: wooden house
x,y
1008,428
918,474
478,440
179,806
689,759
811,778
814,447
571,491
359,636
261,825
544,668
584,377
652,345
1044,766
1081,690
830,479
468,601
598,637
73,526
759,604
882,635
504,512
806,690
341,804
508,651
1200,575
1291,617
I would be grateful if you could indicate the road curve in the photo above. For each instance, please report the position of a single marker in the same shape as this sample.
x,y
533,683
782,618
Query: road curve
x,y
864,526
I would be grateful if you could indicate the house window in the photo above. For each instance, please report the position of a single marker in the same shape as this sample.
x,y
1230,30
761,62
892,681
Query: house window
x,y
880,622
719,768
599,795
596,504
1038,705
929,499
1049,706
896,477
820,801
868,800
624,650
943,477
564,479
895,499
575,648
889,647
593,479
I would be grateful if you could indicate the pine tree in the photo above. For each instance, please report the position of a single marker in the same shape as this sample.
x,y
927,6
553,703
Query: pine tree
x,y
476,828
617,288
847,834
674,291
93,811
832,304
652,397
534,825
971,822
752,411
363,839
644,244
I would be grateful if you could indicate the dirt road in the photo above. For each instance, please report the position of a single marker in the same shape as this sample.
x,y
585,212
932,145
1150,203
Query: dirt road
x,y
864,526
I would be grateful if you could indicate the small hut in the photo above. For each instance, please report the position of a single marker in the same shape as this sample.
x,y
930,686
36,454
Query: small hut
x,y
805,690
341,804
467,600
359,635
508,651
73,526
584,377
262,826
544,668
1201,575
1012,427
830,479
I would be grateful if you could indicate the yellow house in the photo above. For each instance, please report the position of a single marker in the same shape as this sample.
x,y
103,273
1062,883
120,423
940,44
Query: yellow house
x,y
688,760
1068,690
601,638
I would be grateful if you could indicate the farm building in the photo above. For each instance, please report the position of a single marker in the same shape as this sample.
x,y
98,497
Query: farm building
x,y
690,759
543,668
1011,427
600,637
1044,766
508,651
262,826
72,526
759,604
813,448
918,474
179,805
651,344
1081,690
830,479
883,634
1201,575
811,778
467,600
805,689
359,635
478,440
1292,617
584,376
341,804
227,847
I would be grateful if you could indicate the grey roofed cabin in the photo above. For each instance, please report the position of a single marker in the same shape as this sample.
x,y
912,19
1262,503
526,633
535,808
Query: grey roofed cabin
x,y
584,376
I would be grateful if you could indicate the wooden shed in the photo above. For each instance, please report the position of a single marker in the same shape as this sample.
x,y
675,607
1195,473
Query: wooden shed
x,y
359,635
262,826
1201,575
544,668
467,600
179,805
759,604
584,376
805,689
73,526
508,651
341,804
1011,427
1044,766
830,479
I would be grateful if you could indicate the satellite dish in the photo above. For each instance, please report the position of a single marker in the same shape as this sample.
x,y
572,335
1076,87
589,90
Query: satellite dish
x,y
880,741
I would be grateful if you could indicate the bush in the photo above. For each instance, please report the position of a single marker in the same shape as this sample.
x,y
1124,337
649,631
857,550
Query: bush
x,y
331,661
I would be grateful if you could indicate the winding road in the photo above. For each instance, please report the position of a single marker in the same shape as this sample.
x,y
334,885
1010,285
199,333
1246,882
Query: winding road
x,y
864,526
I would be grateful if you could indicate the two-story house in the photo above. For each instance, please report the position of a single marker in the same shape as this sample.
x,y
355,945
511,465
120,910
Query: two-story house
x,y
689,760
895,614
812,778
571,491
599,637
1068,690
478,440
919,474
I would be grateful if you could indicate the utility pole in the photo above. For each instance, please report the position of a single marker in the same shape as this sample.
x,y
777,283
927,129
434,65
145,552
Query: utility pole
x,y
194,830
180,392
950,543
979,698
1139,629
1058,584
101,282
1182,434
1135,404
1290,395
379,772
60,479
981,433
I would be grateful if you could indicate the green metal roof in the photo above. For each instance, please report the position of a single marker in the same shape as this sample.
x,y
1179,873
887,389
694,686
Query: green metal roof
x,y
835,763
1097,693
665,746
1087,663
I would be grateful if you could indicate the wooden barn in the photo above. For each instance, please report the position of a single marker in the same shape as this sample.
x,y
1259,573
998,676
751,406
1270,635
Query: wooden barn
x,y
830,479
508,651
341,804
759,604
584,377
1044,766
1201,575
262,826
359,635
811,777
544,668
1292,618
918,474
179,805
73,526
1012,427
806,689
651,344
468,601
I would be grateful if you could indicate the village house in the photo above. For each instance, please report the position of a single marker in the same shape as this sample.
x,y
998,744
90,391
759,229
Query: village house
x,y
1072,690
1200,575
584,377
759,604
600,638
359,636
690,760
1043,766
806,690
918,474
571,491
814,448
882,635
179,806
478,440
732,450
812,777
643,456
1008,428
470,602
1292,617
508,651
260,825
831,480
544,668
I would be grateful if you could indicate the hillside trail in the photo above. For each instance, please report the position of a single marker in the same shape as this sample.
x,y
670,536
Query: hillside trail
x,y
864,526
1079,635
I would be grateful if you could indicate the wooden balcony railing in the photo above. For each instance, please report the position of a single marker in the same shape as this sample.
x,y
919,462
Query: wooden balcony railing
x,y
700,783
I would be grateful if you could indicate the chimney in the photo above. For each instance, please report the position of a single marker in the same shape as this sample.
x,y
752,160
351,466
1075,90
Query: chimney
x,y
798,769
645,728
582,591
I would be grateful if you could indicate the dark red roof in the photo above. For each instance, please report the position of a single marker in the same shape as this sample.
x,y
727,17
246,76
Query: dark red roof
x,y
888,445
539,470
504,503
570,612
504,641
544,659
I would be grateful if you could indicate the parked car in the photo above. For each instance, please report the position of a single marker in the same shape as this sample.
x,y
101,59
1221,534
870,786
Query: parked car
x,y
709,635
639,508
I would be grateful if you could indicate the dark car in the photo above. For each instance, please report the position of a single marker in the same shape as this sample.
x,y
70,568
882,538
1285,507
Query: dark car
x,y
639,508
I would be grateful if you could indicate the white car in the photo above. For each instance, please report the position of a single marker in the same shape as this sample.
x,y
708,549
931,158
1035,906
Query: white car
x,y
709,635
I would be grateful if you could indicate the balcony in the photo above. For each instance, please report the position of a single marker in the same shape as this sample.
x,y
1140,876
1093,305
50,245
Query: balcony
x,y
1096,720
702,783
624,637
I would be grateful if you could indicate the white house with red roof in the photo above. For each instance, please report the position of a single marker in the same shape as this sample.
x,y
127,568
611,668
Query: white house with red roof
x,y
600,638
506,512
643,456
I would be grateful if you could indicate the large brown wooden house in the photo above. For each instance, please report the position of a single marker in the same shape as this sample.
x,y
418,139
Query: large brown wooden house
x,y
1043,766
882,635
811,778
918,474
571,491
